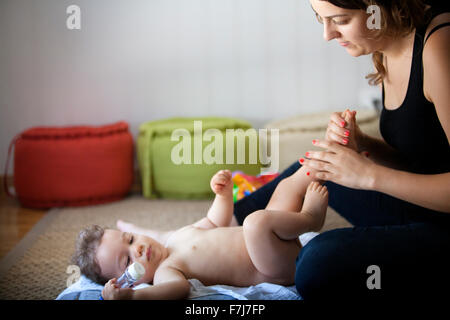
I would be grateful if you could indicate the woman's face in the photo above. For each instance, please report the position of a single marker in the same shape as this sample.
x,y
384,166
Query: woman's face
x,y
348,27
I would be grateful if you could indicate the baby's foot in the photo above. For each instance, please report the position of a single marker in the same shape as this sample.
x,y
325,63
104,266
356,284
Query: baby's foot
x,y
315,204
222,183
350,140
129,227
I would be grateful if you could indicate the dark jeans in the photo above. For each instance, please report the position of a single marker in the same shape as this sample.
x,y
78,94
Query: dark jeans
x,y
409,244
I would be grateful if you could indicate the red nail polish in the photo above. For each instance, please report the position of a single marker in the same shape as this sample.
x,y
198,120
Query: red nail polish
x,y
347,133
307,154
308,173
345,141
301,160
343,124
314,141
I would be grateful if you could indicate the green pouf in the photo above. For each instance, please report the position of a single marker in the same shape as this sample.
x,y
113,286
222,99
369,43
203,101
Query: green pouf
x,y
178,156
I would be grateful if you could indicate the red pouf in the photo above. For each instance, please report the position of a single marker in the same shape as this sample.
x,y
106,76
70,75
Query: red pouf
x,y
73,166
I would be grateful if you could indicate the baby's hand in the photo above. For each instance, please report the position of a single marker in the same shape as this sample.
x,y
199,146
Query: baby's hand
x,y
111,291
221,182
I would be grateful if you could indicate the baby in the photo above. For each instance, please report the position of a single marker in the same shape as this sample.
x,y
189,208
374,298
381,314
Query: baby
x,y
264,249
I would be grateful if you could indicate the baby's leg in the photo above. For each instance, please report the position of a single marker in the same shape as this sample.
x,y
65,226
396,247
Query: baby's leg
x,y
288,196
289,193
271,237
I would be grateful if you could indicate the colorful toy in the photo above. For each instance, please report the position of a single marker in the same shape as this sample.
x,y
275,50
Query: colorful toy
x,y
244,184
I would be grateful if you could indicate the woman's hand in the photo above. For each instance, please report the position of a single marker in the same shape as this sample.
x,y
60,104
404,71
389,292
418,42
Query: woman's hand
x,y
341,165
343,129
111,291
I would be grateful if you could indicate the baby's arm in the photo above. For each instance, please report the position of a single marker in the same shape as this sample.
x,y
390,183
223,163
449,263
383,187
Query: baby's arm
x,y
169,284
221,210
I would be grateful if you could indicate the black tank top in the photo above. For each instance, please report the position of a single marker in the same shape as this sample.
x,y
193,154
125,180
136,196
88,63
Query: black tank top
x,y
414,128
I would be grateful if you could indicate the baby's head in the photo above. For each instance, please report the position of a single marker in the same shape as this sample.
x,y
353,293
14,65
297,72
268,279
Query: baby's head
x,y
103,254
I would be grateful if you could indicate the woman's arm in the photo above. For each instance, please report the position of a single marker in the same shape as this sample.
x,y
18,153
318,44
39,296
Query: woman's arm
x,y
429,191
436,75
344,130
346,167
380,152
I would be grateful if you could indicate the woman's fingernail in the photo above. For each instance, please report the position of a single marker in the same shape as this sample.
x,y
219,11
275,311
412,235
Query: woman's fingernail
x,y
307,154
301,160
342,124
308,173
314,141
347,133
345,140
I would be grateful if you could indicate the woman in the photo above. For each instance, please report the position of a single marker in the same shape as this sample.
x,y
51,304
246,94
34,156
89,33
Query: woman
x,y
398,198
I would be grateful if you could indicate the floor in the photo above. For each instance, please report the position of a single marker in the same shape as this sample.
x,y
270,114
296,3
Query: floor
x,y
15,221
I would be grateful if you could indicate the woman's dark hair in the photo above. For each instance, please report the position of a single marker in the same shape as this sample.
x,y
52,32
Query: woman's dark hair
x,y
398,19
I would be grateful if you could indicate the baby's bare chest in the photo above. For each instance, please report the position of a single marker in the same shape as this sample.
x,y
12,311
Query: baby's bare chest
x,y
212,255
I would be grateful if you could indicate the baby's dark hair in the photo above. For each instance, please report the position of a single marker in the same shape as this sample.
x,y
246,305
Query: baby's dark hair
x,y
84,257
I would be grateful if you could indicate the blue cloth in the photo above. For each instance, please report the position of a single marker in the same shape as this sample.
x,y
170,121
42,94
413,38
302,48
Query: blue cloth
x,y
82,295
409,243
262,291
85,289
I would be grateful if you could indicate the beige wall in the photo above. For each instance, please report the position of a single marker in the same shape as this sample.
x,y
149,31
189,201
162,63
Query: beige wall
x,y
140,60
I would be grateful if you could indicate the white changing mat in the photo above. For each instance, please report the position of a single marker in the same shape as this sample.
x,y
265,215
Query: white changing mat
x,y
262,291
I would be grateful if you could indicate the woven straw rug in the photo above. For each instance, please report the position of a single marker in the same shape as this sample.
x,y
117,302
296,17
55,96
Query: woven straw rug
x,y
37,267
